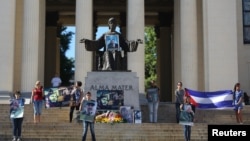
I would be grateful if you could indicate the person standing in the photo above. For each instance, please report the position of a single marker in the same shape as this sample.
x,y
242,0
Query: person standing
x,y
75,100
85,102
37,100
238,95
16,115
179,94
187,121
56,81
152,96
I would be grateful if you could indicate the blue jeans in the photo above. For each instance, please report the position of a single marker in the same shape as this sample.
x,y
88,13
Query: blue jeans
x,y
177,111
187,132
17,126
85,130
153,108
38,105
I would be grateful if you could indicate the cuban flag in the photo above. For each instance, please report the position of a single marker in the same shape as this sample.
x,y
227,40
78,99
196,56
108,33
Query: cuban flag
x,y
211,100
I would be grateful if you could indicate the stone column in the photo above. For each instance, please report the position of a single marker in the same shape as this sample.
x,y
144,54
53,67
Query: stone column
x,y
7,40
177,47
84,29
135,30
188,44
223,63
52,47
33,44
164,61
52,56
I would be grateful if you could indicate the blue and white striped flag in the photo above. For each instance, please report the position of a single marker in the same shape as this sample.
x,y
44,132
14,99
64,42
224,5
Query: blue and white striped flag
x,y
211,100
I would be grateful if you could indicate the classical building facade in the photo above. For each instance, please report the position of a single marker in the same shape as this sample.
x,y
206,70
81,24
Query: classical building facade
x,y
199,42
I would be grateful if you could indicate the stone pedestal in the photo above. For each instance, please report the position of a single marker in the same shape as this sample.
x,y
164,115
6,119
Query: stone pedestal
x,y
125,82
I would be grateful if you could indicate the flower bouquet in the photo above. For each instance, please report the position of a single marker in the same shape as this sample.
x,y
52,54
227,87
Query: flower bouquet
x,y
109,117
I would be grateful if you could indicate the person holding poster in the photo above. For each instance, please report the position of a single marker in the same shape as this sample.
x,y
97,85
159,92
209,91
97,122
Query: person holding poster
x,y
186,117
16,115
153,101
75,99
88,111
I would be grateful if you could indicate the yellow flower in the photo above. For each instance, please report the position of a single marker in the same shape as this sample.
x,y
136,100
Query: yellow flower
x,y
112,117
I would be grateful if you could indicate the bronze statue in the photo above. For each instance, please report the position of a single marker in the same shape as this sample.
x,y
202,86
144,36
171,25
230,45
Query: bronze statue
x,y
114,54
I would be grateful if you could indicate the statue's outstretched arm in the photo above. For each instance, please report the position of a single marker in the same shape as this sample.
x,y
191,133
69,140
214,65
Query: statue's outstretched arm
x,y
132,45
92,45
139,41
83,40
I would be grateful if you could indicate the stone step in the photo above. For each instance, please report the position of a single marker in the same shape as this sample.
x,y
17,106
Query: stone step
x,y
146,131
166,114
54,125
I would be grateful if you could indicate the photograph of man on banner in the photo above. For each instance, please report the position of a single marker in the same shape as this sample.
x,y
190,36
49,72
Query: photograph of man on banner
x,y
89,110
112,43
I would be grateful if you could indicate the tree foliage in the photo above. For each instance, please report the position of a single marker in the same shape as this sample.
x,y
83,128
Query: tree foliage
x,y
66,64
150,55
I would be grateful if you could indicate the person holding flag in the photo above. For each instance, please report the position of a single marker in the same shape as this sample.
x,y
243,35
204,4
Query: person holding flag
x,y
237,102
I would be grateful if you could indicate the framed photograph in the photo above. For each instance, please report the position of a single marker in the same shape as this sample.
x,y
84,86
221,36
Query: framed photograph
x,y
109,99
127,114
137,116
112,43
89,110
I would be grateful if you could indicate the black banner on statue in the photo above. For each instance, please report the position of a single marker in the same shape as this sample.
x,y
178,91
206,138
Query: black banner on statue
x,y
239,132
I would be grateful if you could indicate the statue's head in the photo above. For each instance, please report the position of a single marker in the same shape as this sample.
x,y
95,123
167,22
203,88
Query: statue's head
x,y
112,23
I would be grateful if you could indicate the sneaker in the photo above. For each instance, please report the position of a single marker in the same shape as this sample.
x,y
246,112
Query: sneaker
x,y
18,139
14,139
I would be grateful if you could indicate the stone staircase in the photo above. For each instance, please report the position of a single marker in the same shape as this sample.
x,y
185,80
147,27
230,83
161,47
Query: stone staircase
x,y
55,125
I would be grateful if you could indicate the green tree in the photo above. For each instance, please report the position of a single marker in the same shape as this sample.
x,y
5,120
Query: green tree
x,y
150,55
66,64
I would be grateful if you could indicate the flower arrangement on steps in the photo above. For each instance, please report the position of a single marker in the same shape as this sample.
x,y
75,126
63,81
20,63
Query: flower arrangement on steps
x,y
109,117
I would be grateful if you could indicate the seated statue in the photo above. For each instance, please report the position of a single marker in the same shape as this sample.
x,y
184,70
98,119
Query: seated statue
x,y
115,48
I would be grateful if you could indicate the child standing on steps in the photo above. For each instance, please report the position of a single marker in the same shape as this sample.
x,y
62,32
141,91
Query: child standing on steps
x,y
16,115
186,117
87,108
238,95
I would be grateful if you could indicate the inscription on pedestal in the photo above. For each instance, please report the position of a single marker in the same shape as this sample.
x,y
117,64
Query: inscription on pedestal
x,y
115,88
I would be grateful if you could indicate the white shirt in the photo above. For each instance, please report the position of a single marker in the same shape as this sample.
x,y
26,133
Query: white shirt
x,y
56,81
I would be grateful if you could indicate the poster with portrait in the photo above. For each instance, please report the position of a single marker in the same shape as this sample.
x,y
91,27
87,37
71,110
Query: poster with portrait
x,y
88,110
112,43
127,114
109,99
137,116
16,108
186,118
57,97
